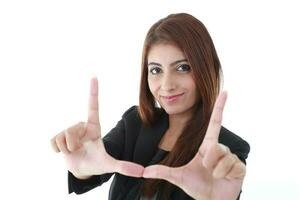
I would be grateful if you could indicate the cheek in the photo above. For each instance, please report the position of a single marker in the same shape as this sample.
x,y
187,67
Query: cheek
x,y
192,88
153,85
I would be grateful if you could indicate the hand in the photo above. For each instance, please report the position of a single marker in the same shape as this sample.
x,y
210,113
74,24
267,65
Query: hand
x,y
214,173
83,147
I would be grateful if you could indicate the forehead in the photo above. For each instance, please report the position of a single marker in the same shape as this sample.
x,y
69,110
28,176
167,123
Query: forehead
x,y
165,52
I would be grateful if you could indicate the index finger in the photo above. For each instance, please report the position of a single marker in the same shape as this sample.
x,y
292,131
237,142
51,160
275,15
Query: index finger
x,y
214,126
93,108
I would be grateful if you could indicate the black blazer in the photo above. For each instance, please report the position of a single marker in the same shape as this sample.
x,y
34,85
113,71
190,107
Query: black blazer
x,y
131,141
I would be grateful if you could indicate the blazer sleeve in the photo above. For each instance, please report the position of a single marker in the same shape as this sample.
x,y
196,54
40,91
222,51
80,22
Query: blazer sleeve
x,y
241,149
236,144
114,145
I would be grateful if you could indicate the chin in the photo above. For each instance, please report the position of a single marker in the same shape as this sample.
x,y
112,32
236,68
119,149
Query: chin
x,y
174,110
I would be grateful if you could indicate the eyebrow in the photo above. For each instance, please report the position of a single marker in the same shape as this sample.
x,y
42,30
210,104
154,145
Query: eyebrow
x,y
172,64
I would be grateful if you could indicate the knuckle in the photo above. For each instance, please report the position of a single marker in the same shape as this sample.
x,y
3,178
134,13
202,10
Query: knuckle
x,y
235,157
241,169
60,141
57,139
54,145
227,149
244,170
224,149
231,160
53,140
67,133
81,123
216,120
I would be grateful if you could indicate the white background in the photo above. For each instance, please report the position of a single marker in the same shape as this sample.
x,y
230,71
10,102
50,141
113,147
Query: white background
x,y
49,50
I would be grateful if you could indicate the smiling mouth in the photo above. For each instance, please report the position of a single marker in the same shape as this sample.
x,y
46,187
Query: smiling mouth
x,y
173,96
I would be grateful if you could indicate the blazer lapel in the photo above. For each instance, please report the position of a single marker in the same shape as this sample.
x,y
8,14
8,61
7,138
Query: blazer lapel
x,y
148,140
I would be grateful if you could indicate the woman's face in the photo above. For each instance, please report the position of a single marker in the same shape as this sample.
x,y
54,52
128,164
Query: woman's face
x,y
170,79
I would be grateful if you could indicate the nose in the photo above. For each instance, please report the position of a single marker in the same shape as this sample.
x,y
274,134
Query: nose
x,y
167,82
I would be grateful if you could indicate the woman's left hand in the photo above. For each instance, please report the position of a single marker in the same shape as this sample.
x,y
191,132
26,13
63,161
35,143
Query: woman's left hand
x,y
214,173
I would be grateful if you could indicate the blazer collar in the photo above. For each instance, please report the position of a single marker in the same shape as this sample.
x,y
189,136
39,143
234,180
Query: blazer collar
x,y
148,140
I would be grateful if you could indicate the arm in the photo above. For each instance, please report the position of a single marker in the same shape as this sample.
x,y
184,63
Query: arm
x,y
114,145
113,142
241,149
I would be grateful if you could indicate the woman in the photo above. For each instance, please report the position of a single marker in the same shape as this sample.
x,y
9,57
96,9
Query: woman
x,y
171,146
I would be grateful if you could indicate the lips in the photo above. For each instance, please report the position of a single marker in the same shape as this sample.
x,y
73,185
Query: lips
x,y
173,96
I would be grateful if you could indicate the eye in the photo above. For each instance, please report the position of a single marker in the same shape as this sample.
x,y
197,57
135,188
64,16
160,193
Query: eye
x,y
184,67
155,70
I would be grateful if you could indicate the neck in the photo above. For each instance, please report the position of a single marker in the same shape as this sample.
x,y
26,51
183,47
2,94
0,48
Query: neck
x,y
176,125
177,122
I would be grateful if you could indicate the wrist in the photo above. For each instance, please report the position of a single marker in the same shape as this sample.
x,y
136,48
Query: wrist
x,y
81,177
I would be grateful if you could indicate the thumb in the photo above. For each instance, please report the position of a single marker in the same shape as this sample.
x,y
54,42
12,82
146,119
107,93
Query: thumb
x,y
129,168
163,172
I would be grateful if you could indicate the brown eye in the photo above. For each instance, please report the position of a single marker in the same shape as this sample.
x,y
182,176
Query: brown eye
x,y
155,70
184,67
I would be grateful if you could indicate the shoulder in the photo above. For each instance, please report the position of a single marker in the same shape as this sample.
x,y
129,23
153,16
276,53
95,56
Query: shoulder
x,y
236,144
131,113
131,118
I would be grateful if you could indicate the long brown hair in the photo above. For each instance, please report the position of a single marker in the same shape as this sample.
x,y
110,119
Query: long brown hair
x,y
191,36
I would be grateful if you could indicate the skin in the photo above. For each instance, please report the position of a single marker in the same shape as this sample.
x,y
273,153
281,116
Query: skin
x,y
168,77
83,148
214,173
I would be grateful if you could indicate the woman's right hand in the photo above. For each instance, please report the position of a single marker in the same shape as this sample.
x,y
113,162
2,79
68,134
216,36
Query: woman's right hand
x,y
84,150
